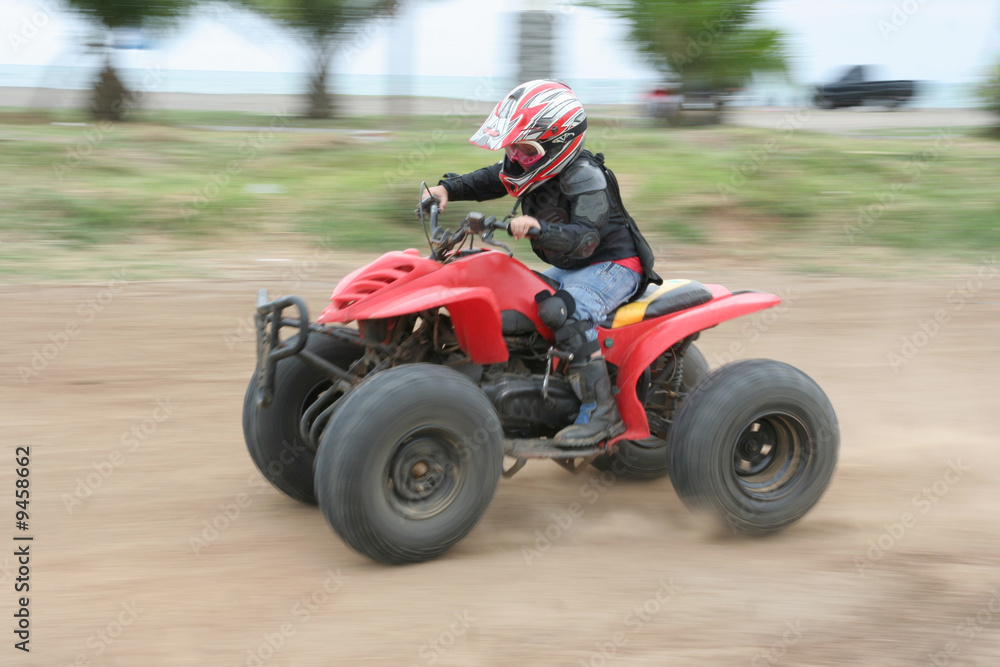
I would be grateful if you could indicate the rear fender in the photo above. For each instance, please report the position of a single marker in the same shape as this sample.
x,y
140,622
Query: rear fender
x,y
635,347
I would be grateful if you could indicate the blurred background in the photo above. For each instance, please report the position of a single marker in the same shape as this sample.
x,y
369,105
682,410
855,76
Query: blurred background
x,y
163,160
400,83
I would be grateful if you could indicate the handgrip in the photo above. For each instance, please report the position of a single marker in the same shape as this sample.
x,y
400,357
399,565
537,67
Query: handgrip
x,y
533,233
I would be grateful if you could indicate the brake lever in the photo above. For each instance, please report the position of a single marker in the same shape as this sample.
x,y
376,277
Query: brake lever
x,y
489,225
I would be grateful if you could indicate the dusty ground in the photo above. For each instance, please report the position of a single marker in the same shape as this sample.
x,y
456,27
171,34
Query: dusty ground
x,y
136,448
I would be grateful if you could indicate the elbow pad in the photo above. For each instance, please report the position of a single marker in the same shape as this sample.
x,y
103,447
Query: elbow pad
x,y
555,238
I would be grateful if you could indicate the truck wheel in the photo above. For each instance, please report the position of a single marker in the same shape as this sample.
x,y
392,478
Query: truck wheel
x,y
756,443
415,462
272,433
647,459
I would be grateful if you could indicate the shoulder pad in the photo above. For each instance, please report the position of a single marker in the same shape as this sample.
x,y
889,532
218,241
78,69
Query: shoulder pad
x,y
582,176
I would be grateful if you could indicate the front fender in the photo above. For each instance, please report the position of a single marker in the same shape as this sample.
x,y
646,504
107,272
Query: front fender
x,y
649,342
475,316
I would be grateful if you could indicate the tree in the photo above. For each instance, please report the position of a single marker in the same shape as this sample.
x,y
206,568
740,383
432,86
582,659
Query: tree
x,y
111,99
708,44
324,25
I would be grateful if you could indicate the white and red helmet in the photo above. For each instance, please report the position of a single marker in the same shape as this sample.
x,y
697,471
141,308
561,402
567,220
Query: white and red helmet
x,y
546,116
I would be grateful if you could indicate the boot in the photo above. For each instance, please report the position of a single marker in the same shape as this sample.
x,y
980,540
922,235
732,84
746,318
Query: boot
x,y
599,418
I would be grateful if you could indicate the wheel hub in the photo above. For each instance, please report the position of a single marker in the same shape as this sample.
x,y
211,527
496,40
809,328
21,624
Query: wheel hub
x,y
770,455
425,474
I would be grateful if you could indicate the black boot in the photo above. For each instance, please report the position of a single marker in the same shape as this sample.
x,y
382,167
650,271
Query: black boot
x,y
599,418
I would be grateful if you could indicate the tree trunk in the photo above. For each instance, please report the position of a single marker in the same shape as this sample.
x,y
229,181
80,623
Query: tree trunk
x,y
109,95
320,103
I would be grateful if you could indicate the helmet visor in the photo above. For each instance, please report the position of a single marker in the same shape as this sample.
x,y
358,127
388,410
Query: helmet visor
x,y
525,153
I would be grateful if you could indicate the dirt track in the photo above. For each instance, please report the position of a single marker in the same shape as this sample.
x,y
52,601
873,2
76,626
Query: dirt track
x,y
154,382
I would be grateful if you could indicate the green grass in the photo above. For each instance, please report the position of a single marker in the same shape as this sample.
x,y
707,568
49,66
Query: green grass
x,y
159,176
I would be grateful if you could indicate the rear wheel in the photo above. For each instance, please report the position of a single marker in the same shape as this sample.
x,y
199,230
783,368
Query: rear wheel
x,y
272,434
647,459
756,442
415,462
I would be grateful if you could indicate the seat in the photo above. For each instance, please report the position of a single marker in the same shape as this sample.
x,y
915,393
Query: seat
x,y
670,297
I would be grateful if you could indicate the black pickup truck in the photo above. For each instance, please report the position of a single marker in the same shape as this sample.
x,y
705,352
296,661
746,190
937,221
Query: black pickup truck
x,y
854,89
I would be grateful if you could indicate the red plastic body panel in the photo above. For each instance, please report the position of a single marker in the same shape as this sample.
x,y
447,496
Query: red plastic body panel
x,y
474,289
477,288
636,346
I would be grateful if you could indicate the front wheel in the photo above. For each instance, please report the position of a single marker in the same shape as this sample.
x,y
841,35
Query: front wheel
x,y
272,434
756,442
415,462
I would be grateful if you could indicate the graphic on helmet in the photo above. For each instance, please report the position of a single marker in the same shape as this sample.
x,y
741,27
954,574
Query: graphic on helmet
x,y
541,125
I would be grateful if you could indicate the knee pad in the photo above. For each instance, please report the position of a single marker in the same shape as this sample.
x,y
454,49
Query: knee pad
x,y
555,309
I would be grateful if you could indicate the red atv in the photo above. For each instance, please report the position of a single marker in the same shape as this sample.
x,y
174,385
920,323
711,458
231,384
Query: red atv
x,y
399,428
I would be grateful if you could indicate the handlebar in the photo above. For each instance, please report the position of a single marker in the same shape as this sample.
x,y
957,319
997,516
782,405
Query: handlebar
x,y
503,225
443,241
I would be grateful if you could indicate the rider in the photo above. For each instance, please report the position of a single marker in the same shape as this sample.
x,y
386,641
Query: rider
x,y
583,231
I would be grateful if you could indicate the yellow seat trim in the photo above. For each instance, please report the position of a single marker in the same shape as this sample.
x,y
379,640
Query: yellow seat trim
x,y
634,312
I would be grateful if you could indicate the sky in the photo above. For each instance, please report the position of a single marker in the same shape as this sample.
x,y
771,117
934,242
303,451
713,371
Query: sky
x,y
938,40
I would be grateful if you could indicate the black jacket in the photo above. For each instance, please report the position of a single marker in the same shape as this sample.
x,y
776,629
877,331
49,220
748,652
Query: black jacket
x,y
581,222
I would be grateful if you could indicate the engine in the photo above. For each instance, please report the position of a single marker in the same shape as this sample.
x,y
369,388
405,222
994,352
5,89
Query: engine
x,y
524,411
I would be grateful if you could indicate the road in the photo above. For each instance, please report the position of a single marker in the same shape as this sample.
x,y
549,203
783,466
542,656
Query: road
x,y
157,543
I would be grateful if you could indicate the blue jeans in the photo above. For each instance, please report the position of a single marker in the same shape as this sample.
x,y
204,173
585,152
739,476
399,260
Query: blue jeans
x,y
597,289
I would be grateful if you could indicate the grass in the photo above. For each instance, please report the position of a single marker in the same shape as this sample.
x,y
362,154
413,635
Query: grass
x,y
158,175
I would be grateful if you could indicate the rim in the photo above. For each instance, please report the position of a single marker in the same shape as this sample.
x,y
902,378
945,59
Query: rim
x,y
770,456
425,473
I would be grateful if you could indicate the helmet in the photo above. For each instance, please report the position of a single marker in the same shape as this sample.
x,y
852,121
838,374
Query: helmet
x,y
548,118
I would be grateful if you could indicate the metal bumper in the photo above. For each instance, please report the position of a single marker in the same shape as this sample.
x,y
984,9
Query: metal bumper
x,y
269,320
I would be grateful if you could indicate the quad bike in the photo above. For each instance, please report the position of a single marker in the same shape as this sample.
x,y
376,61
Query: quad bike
x,y
399,428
